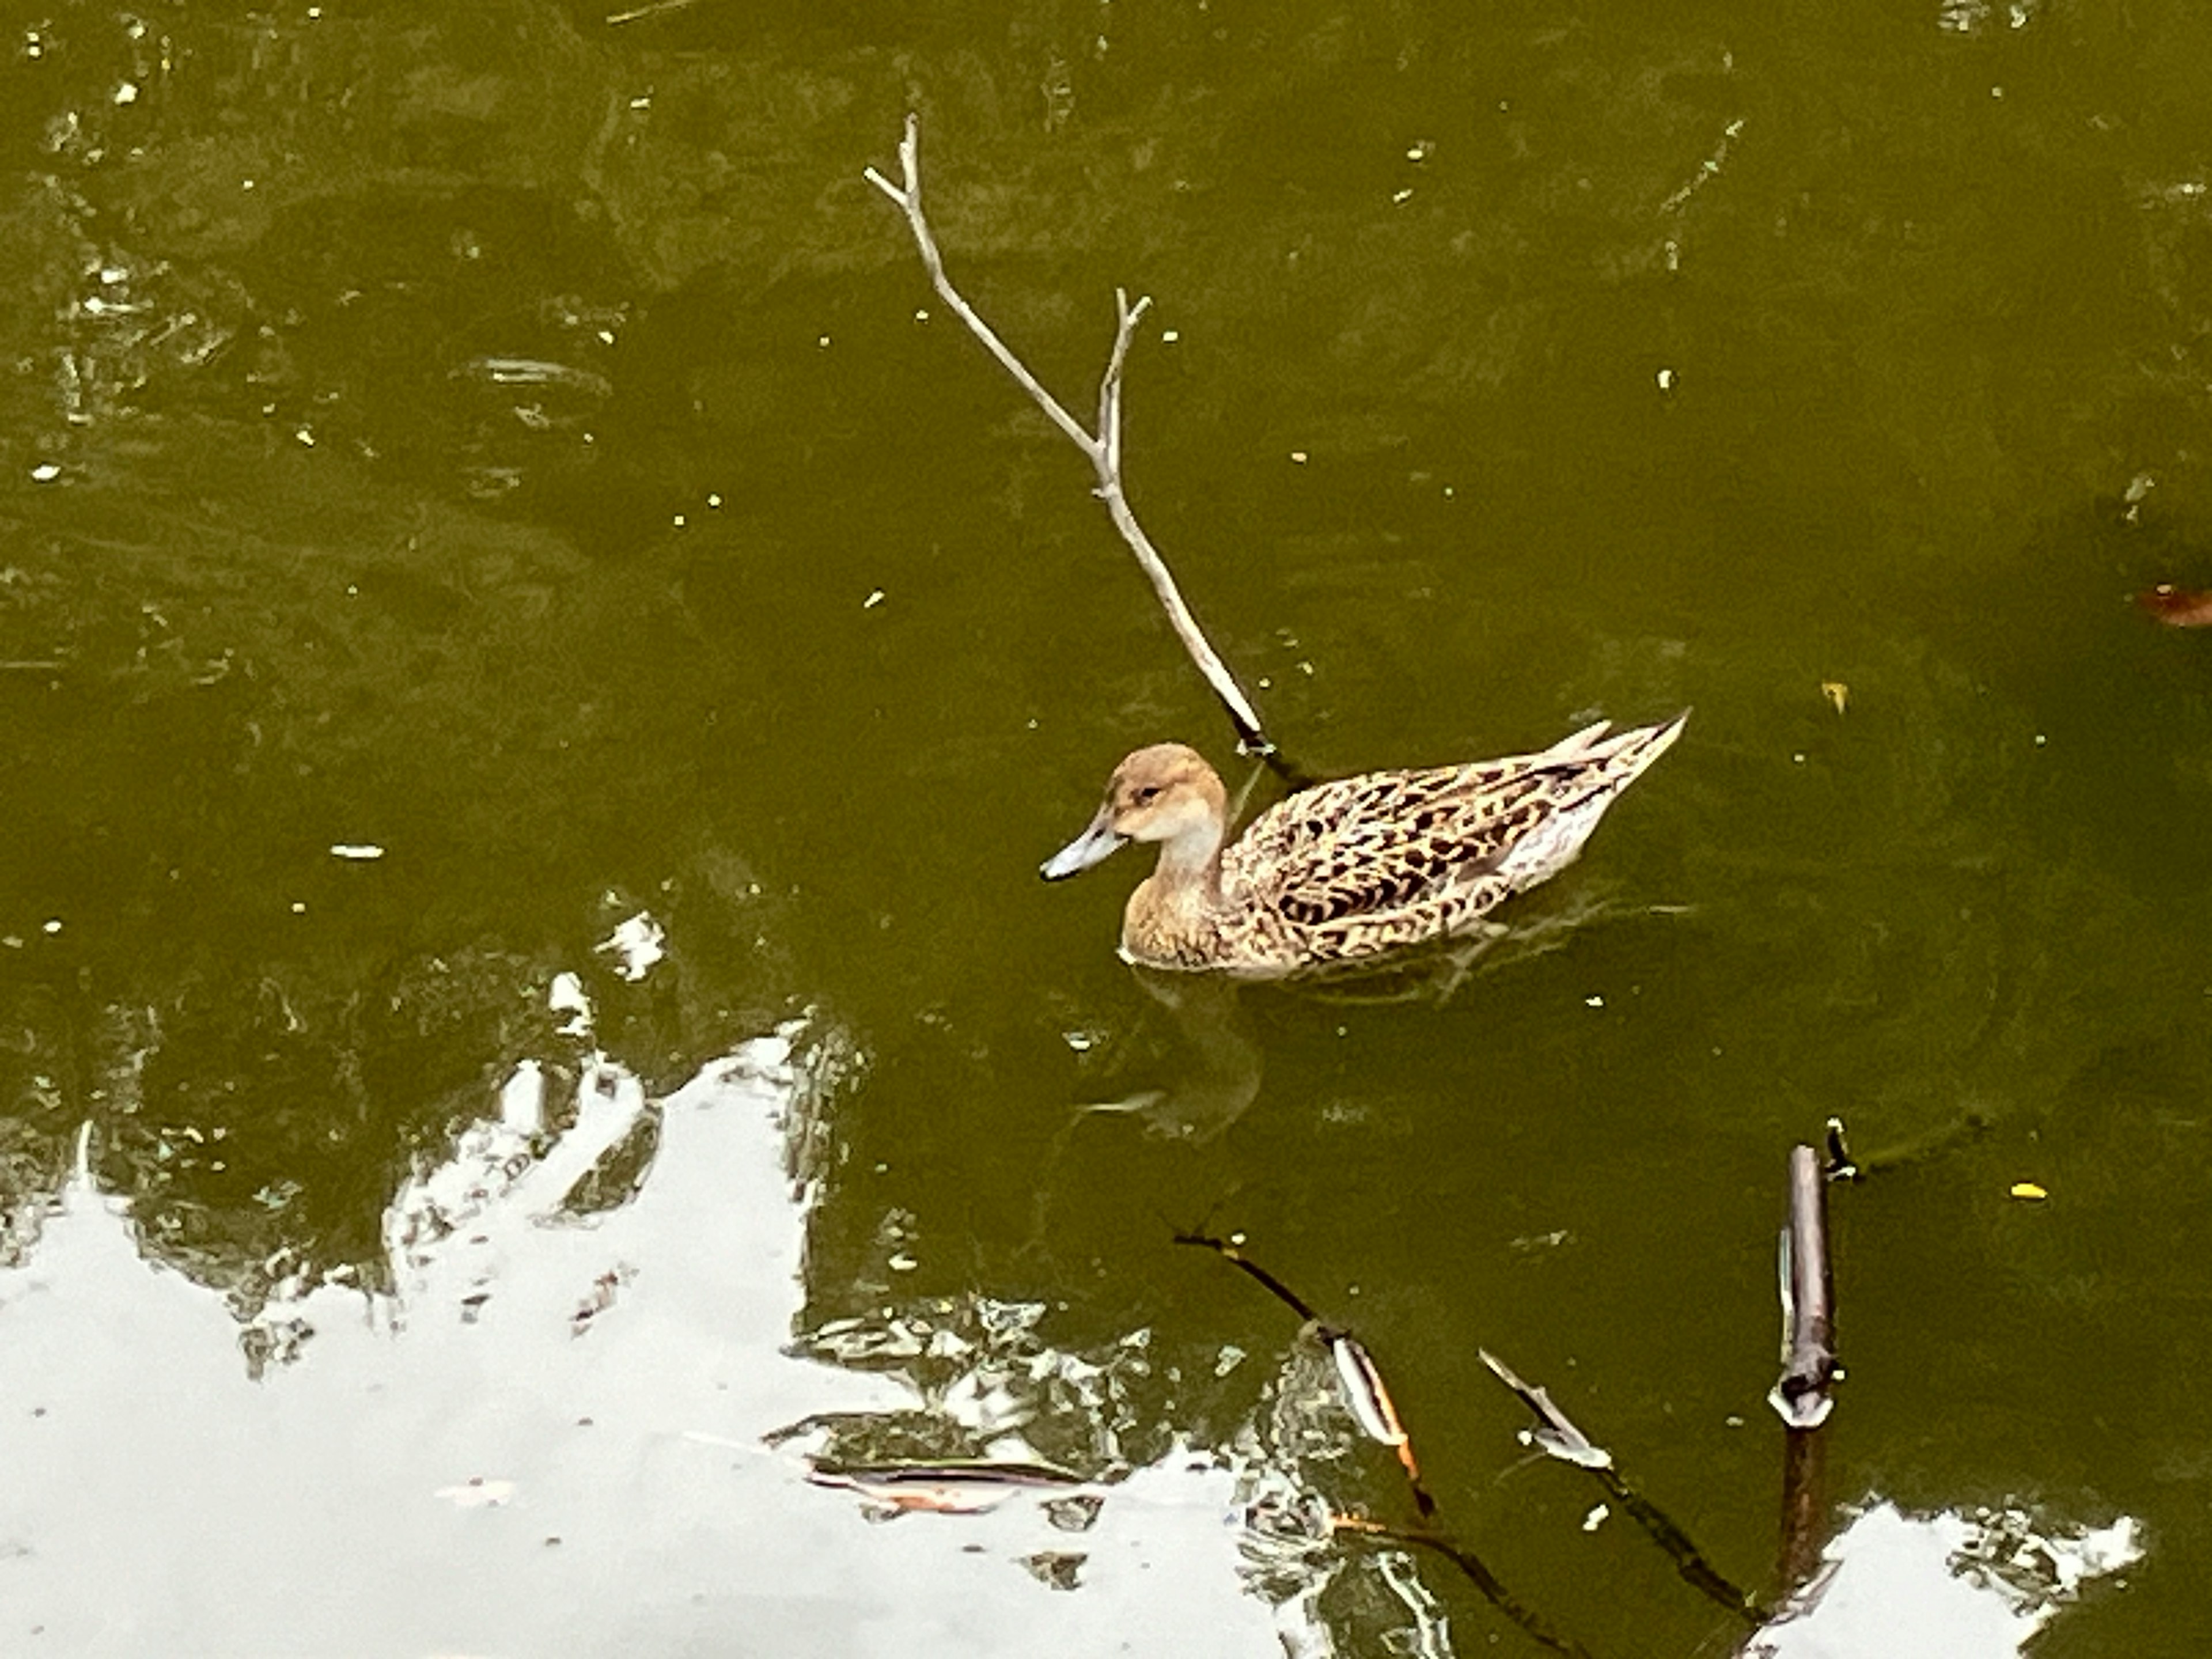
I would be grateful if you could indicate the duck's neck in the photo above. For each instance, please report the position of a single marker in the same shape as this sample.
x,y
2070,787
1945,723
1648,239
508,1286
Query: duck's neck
x,y
1172,918
1190,868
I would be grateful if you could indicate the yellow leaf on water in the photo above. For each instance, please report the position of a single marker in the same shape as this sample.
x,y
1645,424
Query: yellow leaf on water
x,y
2028,1189
1838,694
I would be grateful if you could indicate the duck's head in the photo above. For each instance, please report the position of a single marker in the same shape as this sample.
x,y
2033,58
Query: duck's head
x,y
1165,793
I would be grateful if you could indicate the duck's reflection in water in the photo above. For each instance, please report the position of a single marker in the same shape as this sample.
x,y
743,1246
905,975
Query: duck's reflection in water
x,y
1213,1073
1214,1068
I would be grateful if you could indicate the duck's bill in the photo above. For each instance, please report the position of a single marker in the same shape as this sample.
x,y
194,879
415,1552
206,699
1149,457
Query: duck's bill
x,y
1093,845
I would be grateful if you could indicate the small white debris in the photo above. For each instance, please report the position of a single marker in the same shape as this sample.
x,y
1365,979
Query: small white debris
x,y
636,945
643,101
1170,336
1402,197
1593,1002
873,600
823,341
2041,740
714,502
306,436
902,1263
1666,377
1299,456
921,314
358,850
299,906
53,925
44,472
1797,760
127,93
566,996
1595,1518
679,521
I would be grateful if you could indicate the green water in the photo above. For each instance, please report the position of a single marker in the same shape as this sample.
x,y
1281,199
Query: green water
x,y
523,443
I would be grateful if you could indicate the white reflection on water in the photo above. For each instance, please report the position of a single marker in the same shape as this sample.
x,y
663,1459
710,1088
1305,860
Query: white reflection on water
x,y
1944,1586
545,1436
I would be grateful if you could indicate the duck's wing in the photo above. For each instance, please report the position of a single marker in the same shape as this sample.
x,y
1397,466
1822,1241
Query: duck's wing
x,y
1434,848
1379,843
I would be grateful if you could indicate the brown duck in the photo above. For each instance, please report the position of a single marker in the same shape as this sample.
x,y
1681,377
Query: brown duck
x,y
1344,872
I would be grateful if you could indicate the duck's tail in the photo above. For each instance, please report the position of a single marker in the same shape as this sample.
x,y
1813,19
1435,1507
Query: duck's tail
x,y
1622,755
1601,767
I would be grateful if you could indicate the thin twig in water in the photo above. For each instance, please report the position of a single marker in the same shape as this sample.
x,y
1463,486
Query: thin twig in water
x,y
653,8
1478,1573
1365,1394
1560,1437
1103,449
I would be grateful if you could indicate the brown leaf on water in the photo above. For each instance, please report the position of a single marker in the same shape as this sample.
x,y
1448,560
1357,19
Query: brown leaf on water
x,y
2177,607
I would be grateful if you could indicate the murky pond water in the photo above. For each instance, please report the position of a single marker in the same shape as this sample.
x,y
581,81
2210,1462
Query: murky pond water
x,y
538,664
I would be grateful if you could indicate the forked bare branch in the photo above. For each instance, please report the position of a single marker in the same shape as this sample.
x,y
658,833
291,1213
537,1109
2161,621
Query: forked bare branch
x,y
1102,449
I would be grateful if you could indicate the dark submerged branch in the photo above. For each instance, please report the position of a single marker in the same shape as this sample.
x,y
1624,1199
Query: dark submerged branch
x,y
1478,1574
1843,1163
1558,1437
1103,450
1228,1251
1366,1396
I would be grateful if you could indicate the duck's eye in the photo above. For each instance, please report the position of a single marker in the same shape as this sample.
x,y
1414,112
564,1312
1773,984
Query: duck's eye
x,y
1146,794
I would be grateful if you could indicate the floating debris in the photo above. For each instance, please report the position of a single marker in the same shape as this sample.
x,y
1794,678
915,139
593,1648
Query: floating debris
x,y
2177,607
636,945
1365,1394
958,1486
1840,1165
566,996
1555,1435
530,371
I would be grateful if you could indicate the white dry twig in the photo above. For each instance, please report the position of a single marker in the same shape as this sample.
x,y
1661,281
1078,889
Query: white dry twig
x,y
1103,449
